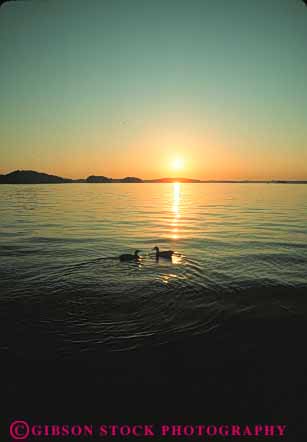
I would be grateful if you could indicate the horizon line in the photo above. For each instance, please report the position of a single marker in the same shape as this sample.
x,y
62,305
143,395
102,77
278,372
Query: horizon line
x,y
171,179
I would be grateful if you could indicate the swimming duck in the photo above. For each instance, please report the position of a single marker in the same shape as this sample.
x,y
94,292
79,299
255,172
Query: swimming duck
x,y
164,254
129,257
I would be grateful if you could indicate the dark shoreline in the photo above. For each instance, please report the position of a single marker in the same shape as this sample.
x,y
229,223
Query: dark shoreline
x,y
33,177
165,182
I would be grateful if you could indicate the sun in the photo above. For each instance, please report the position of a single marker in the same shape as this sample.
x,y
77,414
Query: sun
x,y
178,163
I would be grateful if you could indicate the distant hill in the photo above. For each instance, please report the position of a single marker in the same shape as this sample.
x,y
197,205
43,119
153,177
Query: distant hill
x,y
31,177
128,179
98,179
103,179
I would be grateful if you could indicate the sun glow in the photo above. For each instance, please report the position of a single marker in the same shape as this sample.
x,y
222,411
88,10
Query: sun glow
x,y
178,163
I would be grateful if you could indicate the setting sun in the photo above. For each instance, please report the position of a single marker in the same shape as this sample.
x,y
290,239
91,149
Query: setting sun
x,y
177,164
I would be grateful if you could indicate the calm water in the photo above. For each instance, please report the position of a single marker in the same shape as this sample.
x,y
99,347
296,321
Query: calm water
x,y
241,249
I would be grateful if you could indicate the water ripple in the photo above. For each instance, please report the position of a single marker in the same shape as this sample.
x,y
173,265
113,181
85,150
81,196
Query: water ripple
x,y
240,250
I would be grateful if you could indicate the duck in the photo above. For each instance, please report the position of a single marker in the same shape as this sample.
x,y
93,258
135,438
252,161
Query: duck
x,y
164,254
129,256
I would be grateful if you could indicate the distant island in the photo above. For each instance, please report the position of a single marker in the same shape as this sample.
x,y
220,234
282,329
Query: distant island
x,y
33,177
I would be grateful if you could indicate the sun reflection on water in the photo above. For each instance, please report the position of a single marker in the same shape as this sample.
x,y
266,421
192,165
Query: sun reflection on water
x,y
177,258
176,210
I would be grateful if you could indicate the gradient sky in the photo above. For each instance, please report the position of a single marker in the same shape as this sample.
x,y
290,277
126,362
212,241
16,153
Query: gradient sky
x,y
123,87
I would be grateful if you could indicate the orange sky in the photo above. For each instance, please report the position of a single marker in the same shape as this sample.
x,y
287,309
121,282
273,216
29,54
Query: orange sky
x,y
99,91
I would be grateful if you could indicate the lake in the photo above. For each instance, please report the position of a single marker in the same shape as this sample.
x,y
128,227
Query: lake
x,y
241,249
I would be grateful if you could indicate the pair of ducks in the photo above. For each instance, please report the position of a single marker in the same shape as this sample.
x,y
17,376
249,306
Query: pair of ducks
x,y
159,254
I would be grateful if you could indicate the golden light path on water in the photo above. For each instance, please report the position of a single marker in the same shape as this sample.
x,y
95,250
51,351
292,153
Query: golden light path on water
x,y
176,210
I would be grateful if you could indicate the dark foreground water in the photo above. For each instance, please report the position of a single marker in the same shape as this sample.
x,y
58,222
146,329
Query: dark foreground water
x,y
223,323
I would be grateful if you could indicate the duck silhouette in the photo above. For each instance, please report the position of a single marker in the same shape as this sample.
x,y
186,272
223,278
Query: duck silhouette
x,y
163,254
129,257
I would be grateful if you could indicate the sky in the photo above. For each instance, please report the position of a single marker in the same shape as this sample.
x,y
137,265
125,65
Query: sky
x,y
195,88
